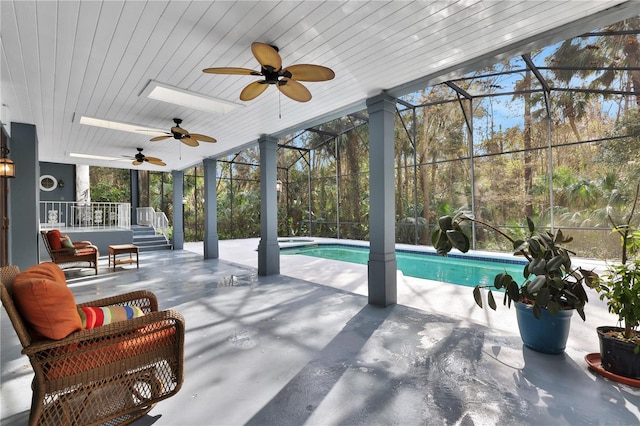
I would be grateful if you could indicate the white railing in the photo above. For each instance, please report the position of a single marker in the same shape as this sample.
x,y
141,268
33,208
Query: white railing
x,y
147,216
71,214
161,223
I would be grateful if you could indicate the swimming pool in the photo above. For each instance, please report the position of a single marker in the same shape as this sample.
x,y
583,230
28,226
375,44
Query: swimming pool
x,y
455,269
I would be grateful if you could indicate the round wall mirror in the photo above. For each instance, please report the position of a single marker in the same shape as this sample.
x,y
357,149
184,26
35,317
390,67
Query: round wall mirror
x,y
48,183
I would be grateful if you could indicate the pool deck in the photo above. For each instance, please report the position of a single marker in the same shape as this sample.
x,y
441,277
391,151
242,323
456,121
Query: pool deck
x,y
427,295
304,348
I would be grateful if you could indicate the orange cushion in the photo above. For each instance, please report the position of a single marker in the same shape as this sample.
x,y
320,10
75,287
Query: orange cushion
x,y
45,302
88,355
54,236
85,250
45,270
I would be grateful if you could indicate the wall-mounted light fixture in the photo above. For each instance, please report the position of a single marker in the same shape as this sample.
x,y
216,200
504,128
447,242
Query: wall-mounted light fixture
x,y
7,168
278,185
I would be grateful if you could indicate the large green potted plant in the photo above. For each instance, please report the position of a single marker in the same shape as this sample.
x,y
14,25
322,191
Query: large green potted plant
x,y
620,286
552,289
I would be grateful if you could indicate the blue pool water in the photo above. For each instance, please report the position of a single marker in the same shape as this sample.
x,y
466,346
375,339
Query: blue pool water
x,y
468,271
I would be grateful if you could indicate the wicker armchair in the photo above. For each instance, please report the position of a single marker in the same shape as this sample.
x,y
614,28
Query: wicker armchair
x,y
82,251
112,374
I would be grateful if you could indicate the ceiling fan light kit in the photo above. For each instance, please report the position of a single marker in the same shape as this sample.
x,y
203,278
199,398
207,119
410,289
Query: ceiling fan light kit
x,y
287,80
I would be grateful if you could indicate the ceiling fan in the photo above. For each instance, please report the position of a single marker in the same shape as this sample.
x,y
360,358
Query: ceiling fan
x,y
285,79
141,158
183,135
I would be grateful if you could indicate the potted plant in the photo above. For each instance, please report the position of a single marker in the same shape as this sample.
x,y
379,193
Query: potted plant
x,y
620,286
552,287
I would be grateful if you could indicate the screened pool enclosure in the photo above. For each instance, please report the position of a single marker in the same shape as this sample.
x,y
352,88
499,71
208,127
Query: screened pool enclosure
x,y
552,134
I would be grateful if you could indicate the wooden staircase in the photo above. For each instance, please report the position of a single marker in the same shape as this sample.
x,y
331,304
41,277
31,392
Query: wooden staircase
x,y
146,239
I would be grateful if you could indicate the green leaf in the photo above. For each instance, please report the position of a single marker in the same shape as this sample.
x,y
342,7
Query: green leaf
x,y
554,307
591,279
558,283
534,248
537,312
531,225
555,263
501,280
519,245
513,291
459,240
445,223
542,298
579,292
538,266
435,237
537,283
491,300
477,296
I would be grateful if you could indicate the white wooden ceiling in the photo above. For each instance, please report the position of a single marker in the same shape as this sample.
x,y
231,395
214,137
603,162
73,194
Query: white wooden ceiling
x,y
64,59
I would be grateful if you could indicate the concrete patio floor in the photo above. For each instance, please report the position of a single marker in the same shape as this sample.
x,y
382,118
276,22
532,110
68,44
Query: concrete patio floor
x,y
304,347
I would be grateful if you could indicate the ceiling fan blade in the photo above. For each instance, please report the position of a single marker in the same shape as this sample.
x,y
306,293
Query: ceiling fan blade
x,y
294,90
231,70
202,138
252,91
308,72
136,163
187,140
159,138
155,161
266,55
179,130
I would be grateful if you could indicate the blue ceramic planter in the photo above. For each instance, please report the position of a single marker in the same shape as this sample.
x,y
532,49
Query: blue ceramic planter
x,y
548,334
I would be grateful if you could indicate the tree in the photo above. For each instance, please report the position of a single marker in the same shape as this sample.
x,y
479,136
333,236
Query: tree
x,y
110,185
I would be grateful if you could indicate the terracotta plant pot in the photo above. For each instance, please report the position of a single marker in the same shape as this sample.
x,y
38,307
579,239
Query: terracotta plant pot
x,y
549,334
618,357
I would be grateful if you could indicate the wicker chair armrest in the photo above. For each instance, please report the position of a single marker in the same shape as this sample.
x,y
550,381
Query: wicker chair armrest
x,y
145,299
101,334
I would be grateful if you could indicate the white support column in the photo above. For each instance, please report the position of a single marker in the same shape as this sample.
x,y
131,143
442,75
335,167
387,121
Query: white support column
x,y
178,217
83,185
382,266
268,248
210,209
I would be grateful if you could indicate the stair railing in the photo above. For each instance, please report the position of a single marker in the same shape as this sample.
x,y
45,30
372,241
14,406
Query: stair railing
x,y
144,216
161,223
147,216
